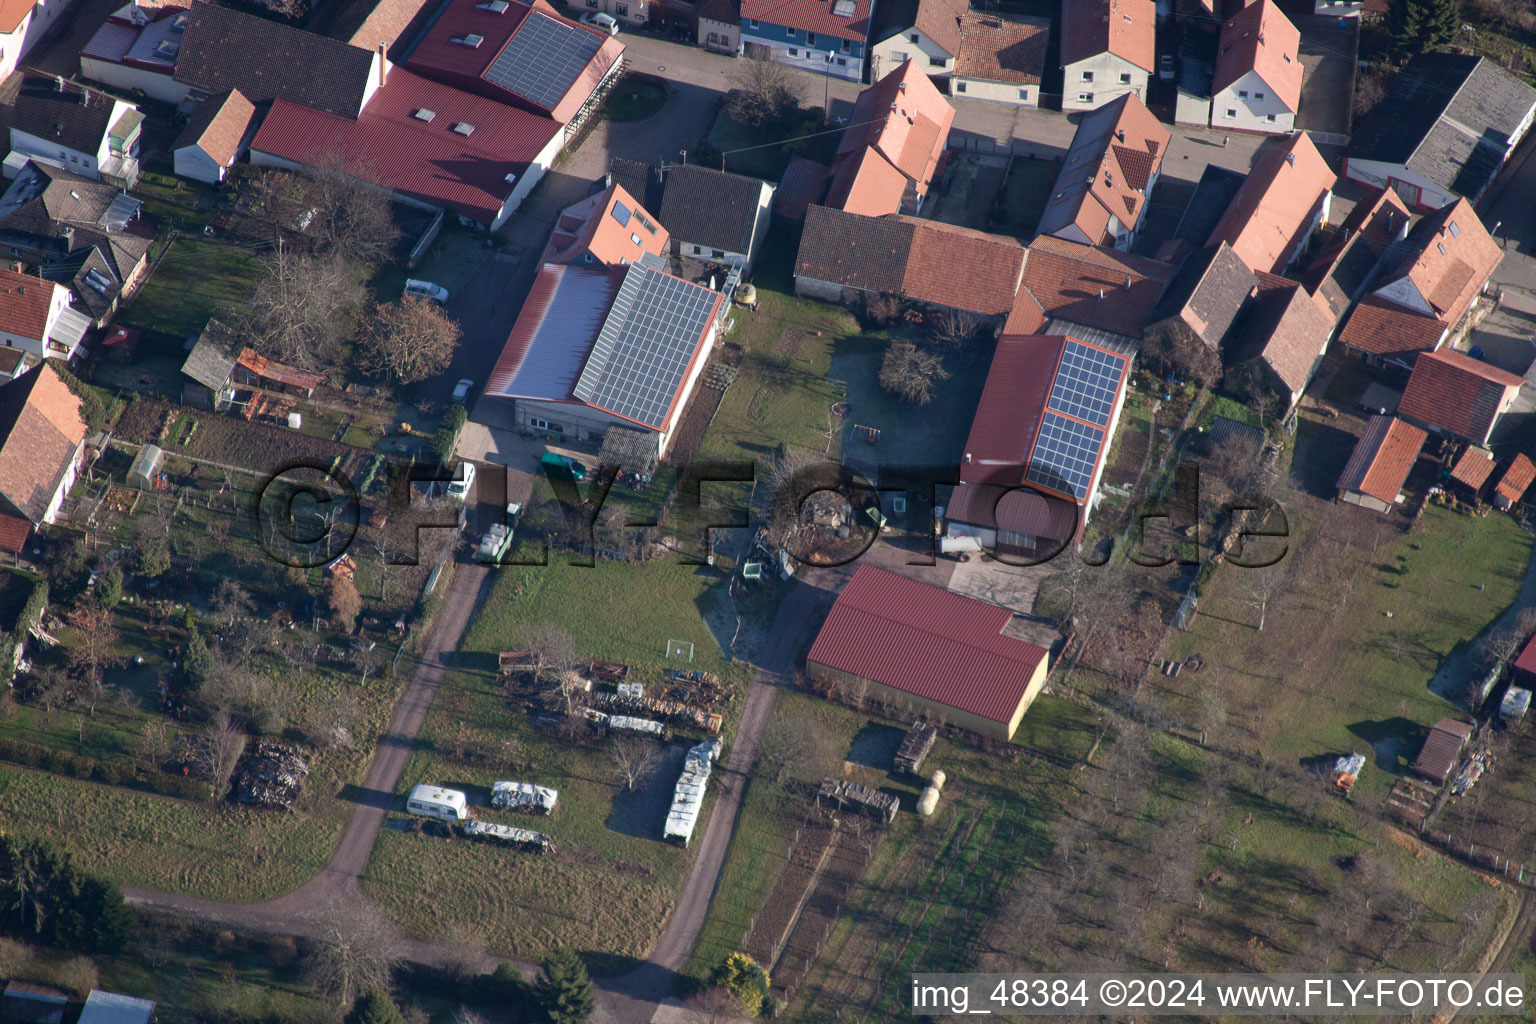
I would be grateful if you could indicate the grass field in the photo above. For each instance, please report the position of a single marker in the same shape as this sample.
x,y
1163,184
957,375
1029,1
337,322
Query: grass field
x,y
195,280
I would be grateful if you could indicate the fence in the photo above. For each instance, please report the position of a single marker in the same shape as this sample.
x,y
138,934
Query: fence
x,y
434,226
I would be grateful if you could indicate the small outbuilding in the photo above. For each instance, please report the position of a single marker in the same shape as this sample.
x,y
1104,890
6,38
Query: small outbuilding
x,y
146,467
1442,750
1380,464
28,1003
1514,483
1472,473
112,1008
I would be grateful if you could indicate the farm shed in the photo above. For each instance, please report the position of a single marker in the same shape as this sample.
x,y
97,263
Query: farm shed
x,y
688,797
1442,749
1472,472
941,654
524,796
1515,482
1380,463
146,467
437,802
26,1003
112,1008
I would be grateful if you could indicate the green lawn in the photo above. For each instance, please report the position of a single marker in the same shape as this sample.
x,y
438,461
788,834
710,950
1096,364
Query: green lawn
x,y
635,98
194,281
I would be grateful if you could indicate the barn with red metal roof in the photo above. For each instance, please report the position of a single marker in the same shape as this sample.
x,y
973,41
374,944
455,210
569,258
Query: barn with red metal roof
x,y
914,645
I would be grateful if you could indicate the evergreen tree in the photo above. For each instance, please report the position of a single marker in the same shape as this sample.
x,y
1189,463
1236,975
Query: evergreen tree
x,y
740,975
196,665
1418,26
45,897
564,989
376,1008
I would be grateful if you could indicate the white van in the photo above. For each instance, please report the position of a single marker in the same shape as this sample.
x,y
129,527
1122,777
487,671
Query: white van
x,y
437,802
463,480
426,290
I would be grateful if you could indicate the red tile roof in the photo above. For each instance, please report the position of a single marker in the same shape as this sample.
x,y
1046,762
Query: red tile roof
x,y
438,56
800,185
1447,258
902,120
218,126
24,304
1276,204
1382,458
1527,660
1452,393
993,265
927,641
592,226
999,47
1286,329
1517,479
1473,468
40,431
1093,286
13,533
1261,38
1126,28
1114,153
811,16
940,20
12,11
426,160
1385,330
1442,748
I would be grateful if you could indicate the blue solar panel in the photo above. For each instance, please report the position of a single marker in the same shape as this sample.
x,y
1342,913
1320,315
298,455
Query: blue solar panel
x,y
621,214
1065,455
1086,383
542,59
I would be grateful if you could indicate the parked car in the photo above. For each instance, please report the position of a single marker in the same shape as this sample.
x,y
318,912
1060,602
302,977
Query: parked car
x,y
462,389
603,21
1165,67
426,290
463,480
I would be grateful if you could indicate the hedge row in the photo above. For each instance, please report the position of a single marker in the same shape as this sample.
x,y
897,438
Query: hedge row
x,y
82,767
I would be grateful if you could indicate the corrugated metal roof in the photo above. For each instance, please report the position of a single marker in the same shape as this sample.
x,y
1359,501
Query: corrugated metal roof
x,y
554,333
112,1008
927,641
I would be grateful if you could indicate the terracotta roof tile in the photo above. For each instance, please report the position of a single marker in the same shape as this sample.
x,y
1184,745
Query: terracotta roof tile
x,y
1097,287
1516,480
605,225
905,120
1382,458
1261,38
11,13
998,47
940,20
1452,393
14,532
868,184
812,16
1126,28
1384,330
1276,204
218,126
1447,258
869,253
24,304
992,265
1114,153
40,431
1288,331
1473,468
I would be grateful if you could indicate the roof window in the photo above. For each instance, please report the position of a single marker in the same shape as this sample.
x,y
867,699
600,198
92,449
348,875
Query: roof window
x,y
1455,231
424,115
463,128
472,40
1441,247
494,6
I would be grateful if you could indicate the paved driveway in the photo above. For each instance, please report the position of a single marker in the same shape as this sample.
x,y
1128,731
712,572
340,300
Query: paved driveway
x,y
1328,69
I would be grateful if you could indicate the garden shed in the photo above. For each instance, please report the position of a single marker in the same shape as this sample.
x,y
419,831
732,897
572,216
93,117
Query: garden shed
x,y
27,1003
112,1008
146,467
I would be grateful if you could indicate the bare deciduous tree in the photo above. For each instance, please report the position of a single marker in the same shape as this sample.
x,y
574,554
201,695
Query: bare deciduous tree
x,y
466,951
634,760
910,372
230,599
551,651
762,90
226,743
352,215
409,340
356,950
299,308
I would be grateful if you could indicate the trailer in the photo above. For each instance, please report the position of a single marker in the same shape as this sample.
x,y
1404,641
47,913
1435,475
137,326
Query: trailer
x,y
643,726
508,835
524,797
688,795
509,662
437,802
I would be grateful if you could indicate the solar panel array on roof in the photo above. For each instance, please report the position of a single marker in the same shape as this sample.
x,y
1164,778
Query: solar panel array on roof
x,y
542,59
1086,383
1066,452
645,346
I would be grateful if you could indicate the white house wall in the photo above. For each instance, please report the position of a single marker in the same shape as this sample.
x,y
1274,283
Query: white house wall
x,y
997,92
889,53
1189,109
1107,70
194,162
1251,112
156,86
47,151
665,441
34,25
1377,173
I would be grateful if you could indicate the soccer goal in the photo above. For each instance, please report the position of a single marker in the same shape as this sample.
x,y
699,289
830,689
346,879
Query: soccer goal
x,y
679,650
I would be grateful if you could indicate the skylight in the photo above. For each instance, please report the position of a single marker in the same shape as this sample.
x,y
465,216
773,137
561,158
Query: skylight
x,y
464,128
424,115
494,6
471,40
843,8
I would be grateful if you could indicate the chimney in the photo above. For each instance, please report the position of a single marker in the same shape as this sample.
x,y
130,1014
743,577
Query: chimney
x,y
1290,158
967,458
1120,134
1127,282
383,65
1101,294
59,79
901,86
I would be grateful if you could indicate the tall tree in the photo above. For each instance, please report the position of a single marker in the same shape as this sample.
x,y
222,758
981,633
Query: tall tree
x,y
1417,26
910,372
564,989
356,950
345,603
352,216
408,340
300,308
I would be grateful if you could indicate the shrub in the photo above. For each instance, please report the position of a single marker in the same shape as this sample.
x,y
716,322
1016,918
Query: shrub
x,y
448,433
740,975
